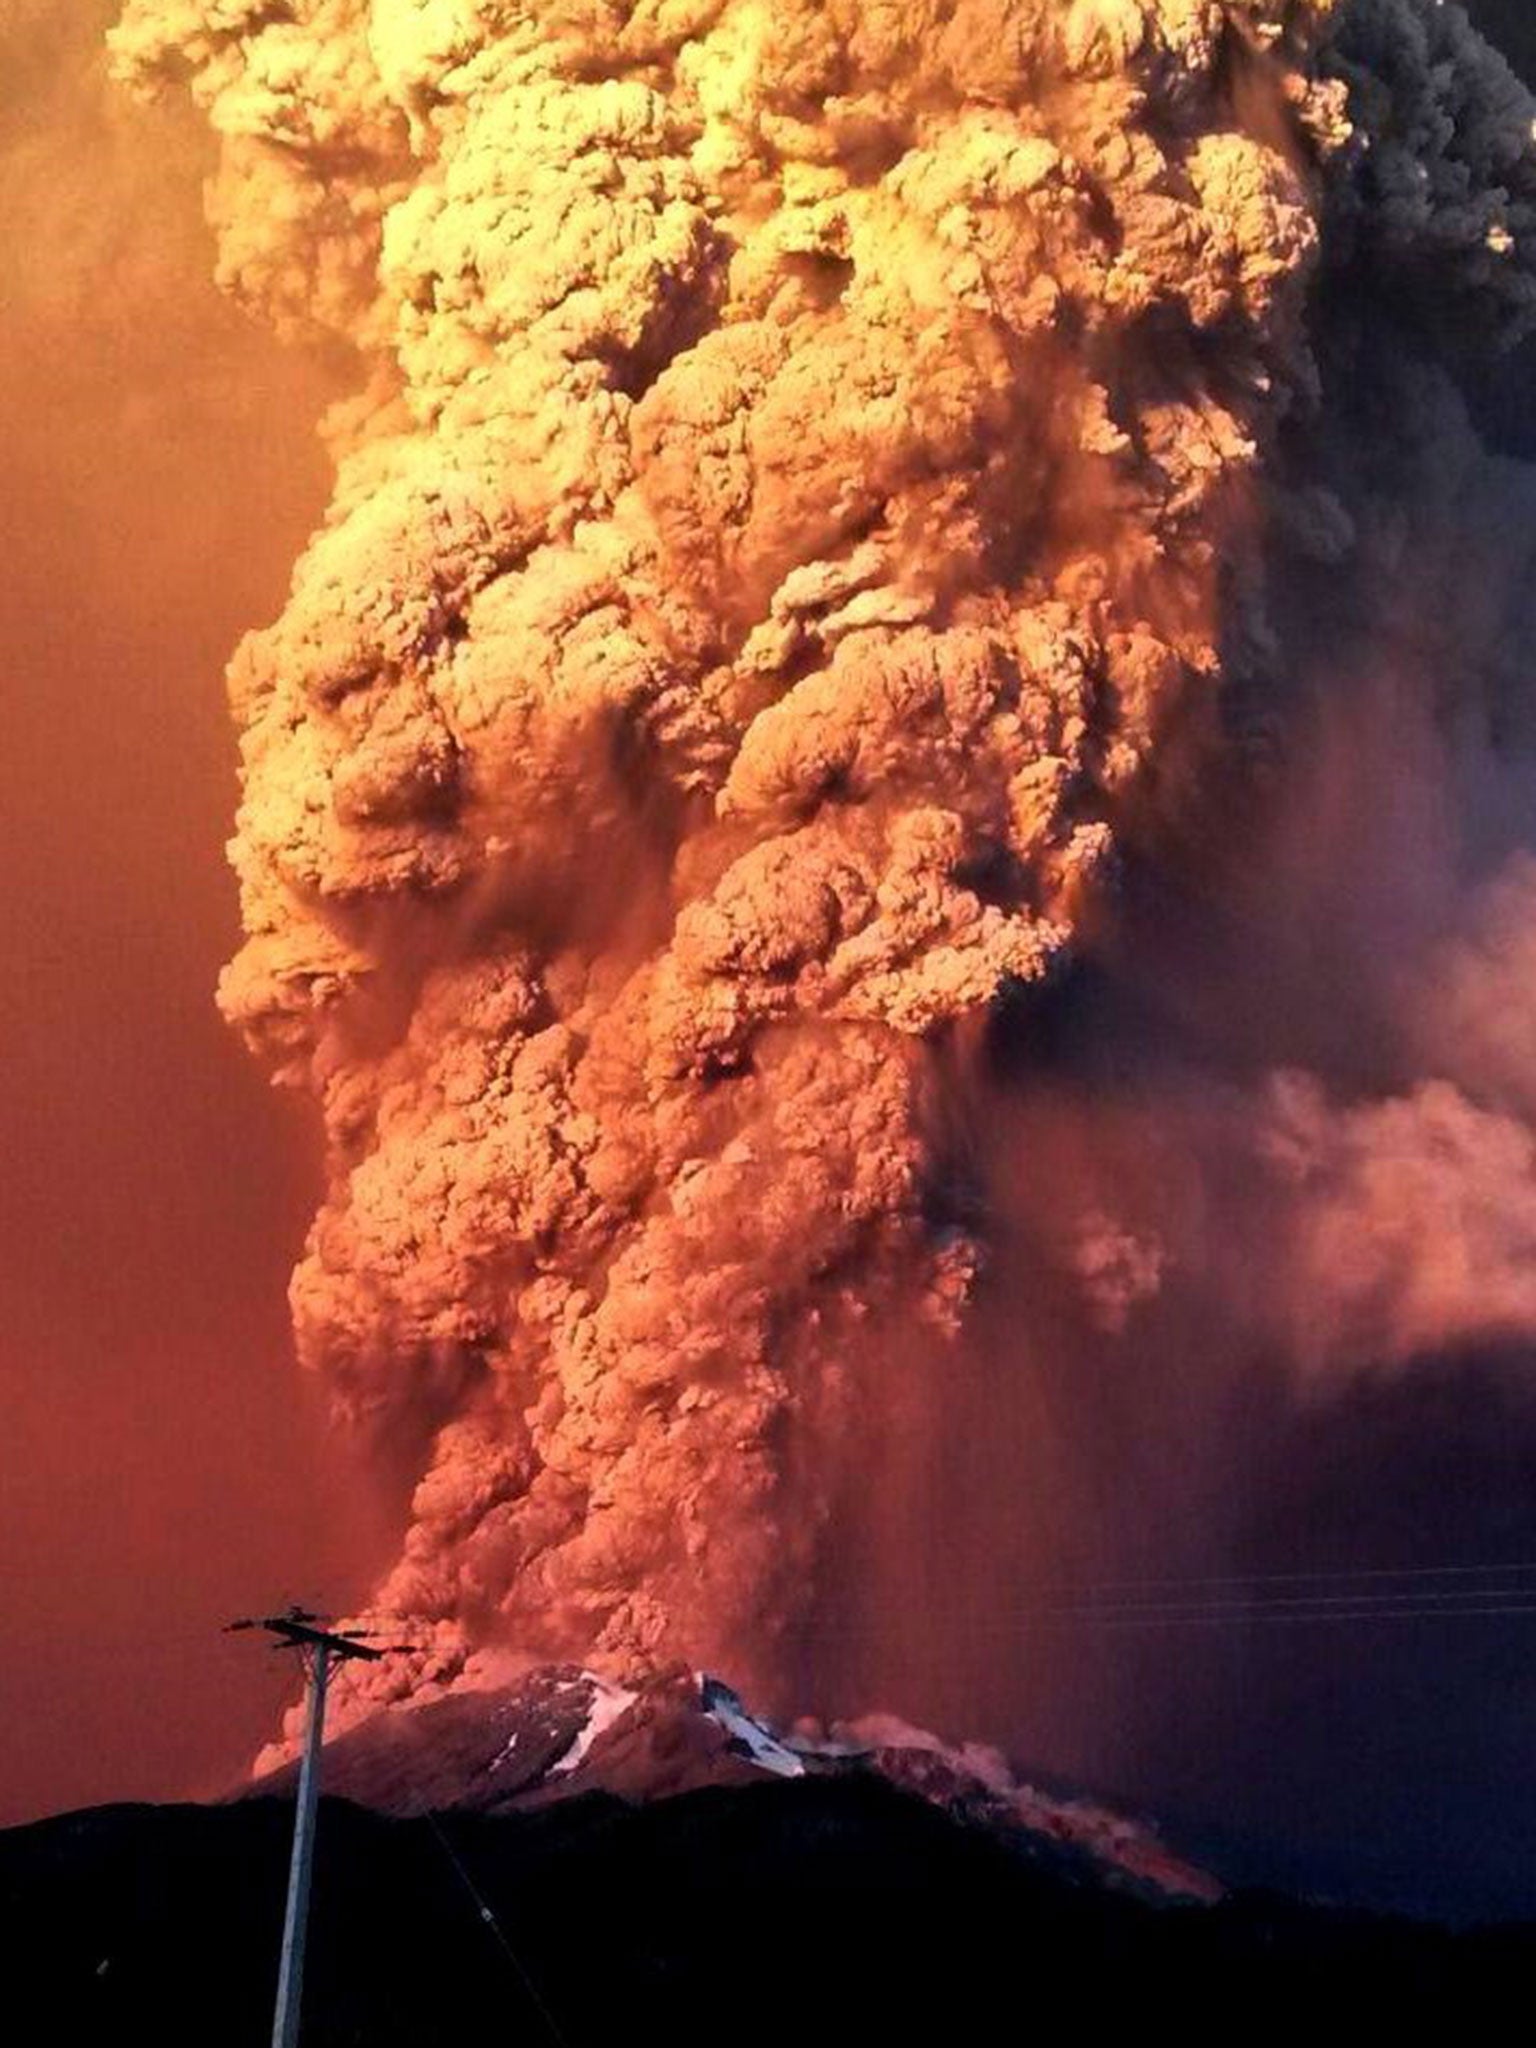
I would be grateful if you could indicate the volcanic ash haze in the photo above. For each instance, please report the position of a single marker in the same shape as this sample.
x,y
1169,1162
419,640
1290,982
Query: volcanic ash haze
x,y
800,505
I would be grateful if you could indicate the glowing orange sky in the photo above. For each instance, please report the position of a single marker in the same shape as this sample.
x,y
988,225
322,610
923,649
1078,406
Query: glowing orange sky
x,y
157,469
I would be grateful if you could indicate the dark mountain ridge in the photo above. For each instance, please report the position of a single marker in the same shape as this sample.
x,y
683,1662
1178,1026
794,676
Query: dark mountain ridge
x,y
561,1861
816,1910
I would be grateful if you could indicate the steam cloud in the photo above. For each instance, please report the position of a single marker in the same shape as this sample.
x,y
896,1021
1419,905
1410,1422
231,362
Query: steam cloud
x,y
824,479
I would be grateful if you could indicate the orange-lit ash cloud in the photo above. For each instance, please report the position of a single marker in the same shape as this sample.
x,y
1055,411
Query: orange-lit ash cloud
x,y
802,508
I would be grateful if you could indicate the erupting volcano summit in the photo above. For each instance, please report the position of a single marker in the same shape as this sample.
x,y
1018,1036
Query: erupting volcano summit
x,y
804,498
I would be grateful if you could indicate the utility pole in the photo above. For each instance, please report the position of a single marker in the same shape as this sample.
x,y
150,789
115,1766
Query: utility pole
x,y
319,1648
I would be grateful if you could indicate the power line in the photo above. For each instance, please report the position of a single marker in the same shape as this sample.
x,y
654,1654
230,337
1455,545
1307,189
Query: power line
x,y
1266,1617
1278,1603
488,1919
1422,1603
1337,1574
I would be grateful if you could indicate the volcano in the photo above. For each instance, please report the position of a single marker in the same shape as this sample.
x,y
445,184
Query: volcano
x,y
557,1859
862,541
560,1733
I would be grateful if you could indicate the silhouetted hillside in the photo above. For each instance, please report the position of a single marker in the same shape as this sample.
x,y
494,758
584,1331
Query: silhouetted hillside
x,y
816,1911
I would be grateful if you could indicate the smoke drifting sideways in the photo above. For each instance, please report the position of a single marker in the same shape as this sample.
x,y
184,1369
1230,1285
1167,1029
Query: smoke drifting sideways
x,y
852,510
1261,1176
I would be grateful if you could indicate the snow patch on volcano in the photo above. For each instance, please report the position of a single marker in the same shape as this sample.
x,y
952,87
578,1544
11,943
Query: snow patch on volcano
x,y
610,1703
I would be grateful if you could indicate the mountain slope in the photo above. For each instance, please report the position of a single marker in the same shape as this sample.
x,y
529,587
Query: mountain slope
x,y
557,1732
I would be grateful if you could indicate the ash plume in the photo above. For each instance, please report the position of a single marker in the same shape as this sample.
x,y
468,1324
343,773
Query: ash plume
x,y
825,484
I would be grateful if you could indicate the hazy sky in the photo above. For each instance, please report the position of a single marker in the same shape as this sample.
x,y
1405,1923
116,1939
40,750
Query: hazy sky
x,y
157,473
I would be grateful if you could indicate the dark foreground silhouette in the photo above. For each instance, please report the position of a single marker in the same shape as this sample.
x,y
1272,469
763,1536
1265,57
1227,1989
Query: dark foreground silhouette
x,y
821,1910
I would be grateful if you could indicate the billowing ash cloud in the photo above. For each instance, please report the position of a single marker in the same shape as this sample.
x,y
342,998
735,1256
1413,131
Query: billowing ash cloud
x,y
804,504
